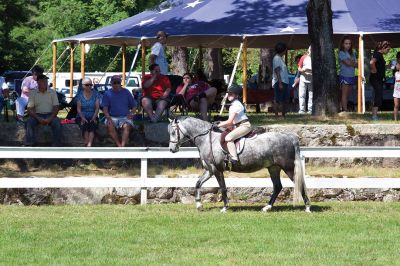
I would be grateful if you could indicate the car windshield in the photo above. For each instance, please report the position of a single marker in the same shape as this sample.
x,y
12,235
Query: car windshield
x,y
133,82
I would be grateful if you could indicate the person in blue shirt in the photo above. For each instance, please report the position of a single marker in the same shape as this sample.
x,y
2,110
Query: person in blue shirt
x,y
118,108
88,108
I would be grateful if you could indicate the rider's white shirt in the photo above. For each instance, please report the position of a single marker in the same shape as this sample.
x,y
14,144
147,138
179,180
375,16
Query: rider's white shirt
x,y
238,108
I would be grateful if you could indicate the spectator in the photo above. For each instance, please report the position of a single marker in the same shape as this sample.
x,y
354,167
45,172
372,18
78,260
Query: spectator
x,y
28,84
3,92
237,120
395,62
377,76
156,93
198,94
305,70
43,109
157,55
88,108
118,108
297,74
396,91
280,80
348,62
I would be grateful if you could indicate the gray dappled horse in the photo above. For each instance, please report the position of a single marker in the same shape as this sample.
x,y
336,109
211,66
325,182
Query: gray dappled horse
x,y
275,151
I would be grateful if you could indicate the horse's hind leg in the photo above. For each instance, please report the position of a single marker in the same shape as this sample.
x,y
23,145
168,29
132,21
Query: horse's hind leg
x,y
274,172
202,179
222,186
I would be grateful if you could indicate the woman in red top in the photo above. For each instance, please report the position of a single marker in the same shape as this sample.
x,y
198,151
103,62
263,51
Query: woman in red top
x,y
198,94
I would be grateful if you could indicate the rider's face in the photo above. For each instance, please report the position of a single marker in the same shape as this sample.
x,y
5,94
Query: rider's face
x,y
231,97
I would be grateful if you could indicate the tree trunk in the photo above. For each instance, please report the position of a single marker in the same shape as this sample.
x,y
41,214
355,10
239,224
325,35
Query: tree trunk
x,y
215,65
179,64
265,70
325,87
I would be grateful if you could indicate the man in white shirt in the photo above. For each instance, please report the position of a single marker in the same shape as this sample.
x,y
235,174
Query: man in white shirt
x,y
157,55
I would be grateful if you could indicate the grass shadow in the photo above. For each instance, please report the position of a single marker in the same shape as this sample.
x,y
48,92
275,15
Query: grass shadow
x,y
277,208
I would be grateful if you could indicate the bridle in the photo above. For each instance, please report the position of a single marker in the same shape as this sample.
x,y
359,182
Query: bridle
x,y
179,131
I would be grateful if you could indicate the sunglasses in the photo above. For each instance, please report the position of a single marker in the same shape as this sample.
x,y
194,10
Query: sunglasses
x,y
88,85
116,82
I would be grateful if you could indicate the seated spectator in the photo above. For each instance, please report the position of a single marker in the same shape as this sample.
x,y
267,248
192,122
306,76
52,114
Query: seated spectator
x,y
87,103
43,109
118,108
28,85
198,94
156,93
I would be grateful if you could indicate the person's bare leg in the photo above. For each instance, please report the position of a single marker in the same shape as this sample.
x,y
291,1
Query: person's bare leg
x,y
160,109
148,107
346,89
90,139
113,133
126,128
396,108
86,137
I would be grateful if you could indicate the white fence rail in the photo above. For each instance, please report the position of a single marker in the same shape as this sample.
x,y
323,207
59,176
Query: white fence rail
x,y
146,153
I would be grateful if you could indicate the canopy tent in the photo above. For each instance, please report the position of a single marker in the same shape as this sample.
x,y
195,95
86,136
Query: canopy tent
x,y
223,23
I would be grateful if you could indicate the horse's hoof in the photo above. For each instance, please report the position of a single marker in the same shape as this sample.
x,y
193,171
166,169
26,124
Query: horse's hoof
x,y
224,209
267,208
308,210
199,206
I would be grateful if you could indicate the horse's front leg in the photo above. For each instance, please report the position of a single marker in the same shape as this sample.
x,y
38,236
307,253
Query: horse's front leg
x,y
224,191
202,179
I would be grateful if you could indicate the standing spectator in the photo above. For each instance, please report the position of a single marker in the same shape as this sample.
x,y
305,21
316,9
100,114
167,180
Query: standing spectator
x,y
305,70
118,108
28,85
156,90
348,62
43,109
157,55
3,92
396,91
280,80
395,62
198,94
88,108
377,76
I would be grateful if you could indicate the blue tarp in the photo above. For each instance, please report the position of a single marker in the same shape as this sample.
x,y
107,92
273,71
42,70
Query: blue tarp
x,y
223,23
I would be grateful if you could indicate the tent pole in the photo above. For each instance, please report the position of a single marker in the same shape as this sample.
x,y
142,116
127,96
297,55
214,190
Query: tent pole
x,y
360,98
54,65
245,71
123,65
143,58
71,69
82,60
231,79
133,62
200,58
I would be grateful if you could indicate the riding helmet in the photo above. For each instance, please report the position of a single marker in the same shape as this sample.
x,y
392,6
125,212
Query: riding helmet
x,y
236,89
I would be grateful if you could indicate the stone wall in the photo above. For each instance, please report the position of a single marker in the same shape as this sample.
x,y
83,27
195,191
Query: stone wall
x,y
157,135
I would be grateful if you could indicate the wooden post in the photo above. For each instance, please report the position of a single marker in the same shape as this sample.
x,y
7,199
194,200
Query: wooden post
x,y
244,71
360,72
124,65
143,58
71,69
54,65
82,60
200,63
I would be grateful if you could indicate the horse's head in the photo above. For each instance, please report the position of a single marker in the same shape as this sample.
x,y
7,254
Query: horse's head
x,y
176,135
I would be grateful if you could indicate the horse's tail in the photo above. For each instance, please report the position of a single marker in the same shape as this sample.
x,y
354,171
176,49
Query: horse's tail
x,y
299,182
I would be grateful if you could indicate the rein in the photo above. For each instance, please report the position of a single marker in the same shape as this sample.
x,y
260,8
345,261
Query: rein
x,y
179,131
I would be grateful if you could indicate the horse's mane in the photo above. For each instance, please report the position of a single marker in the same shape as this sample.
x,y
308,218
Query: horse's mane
x,y
201,124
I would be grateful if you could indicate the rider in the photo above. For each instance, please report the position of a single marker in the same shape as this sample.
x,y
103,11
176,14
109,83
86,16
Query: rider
x,y
237,120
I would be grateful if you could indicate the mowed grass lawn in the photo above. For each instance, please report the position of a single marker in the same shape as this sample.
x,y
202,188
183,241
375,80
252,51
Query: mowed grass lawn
x,y
336,233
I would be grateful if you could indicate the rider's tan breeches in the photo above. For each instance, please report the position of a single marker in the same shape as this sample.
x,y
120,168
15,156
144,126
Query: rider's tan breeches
x,y
238,132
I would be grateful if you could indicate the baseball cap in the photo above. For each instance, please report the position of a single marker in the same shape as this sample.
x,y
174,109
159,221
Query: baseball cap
x,y
116,78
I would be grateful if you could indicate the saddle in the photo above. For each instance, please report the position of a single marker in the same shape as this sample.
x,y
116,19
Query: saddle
x,y
240,142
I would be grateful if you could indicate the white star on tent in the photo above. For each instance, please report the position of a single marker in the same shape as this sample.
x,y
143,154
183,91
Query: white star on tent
x,y
164,10
289,29
193,4
143,22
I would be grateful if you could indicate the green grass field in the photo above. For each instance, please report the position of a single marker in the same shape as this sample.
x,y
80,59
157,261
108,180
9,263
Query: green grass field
x,y
336,233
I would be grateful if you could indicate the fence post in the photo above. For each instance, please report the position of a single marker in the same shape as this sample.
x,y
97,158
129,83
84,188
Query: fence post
x,y
143,176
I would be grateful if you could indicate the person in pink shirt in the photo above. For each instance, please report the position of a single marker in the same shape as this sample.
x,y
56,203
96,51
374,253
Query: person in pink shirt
x,y
198,94
28,84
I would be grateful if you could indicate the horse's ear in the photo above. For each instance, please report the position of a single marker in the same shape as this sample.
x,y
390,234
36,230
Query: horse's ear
x,y
170,120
